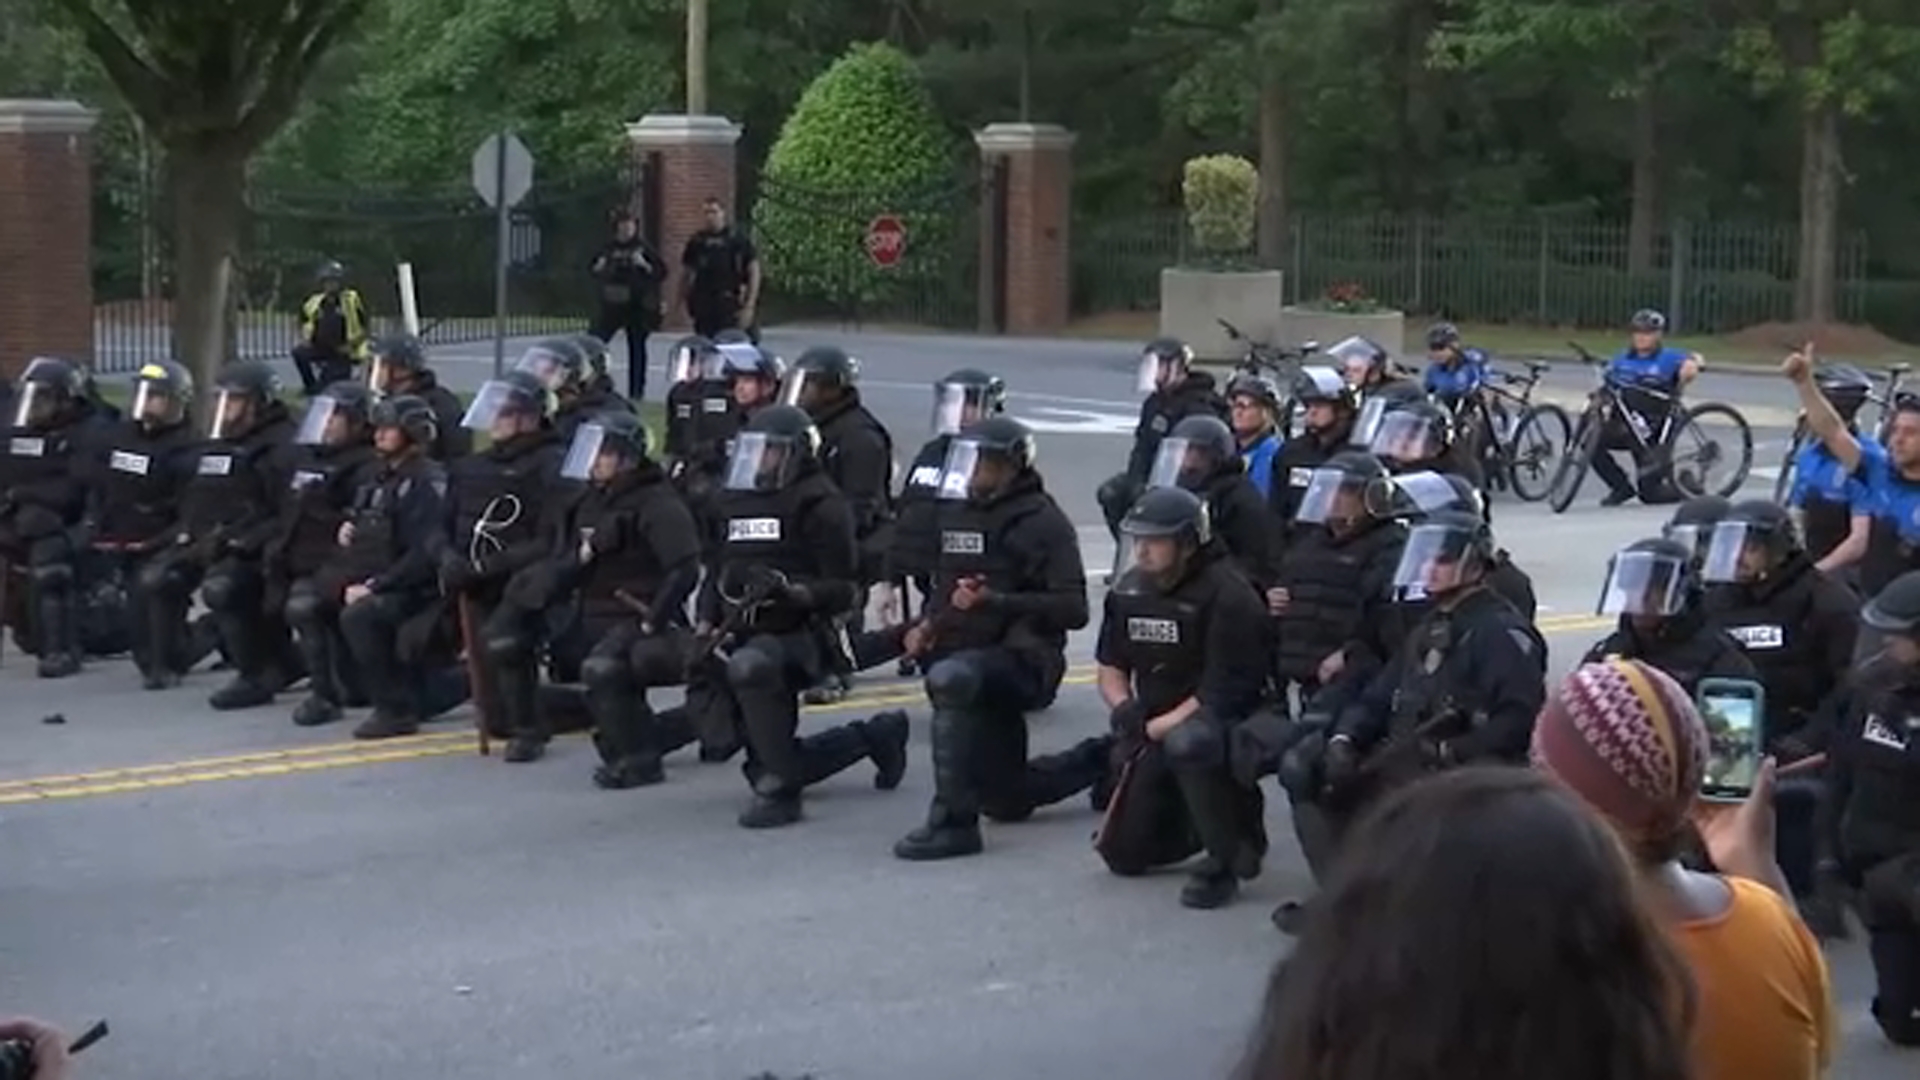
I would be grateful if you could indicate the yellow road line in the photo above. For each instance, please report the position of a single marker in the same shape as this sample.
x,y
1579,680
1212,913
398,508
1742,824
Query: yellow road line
x,y
340,755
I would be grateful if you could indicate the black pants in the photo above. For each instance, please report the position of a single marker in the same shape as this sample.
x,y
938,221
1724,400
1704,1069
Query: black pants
x,y
622,666
1180,797
321,368
1890,909
53,595
313,612
251,622
766,675
636,321
370,626
1653,467
980,700
162,595
711,316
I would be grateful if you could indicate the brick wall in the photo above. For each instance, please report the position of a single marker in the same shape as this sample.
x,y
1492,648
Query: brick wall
x,y
1039,214
46,238
697,161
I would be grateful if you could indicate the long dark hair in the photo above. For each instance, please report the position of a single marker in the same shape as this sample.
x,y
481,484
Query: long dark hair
x,y
1480,924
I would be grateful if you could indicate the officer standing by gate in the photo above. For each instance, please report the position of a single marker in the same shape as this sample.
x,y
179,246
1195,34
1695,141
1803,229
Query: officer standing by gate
x,y
720,276
1182,657
786,568
1174,391
1007,588
629,274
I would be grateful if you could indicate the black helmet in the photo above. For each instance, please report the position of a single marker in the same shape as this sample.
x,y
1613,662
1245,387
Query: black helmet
x,y
778,445
1442,335
965,396
1196,450
594,350
1440,551
1417,495
1648,321
243,393
745,360
1323,385
985,456
1693,520
351,402
1652,577
1895,609
412,415
1249,384
557,362
514,393
1164,360
733,336
1358,354
162,393
1845,387
693,359
1162,513
615,431
1337,491
50,388
396,355
822,373
331,270
1750,524
1411,431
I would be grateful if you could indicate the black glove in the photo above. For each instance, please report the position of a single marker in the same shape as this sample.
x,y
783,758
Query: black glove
x,y
1128,719
1340,767
1302,767
797,594
456,573
1790,748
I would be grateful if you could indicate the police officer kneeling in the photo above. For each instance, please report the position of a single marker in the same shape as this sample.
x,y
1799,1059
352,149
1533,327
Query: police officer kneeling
x,y
787,567
1182,657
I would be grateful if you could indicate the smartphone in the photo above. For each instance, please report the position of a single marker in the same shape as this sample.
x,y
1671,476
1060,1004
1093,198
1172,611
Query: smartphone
x,y
1733,710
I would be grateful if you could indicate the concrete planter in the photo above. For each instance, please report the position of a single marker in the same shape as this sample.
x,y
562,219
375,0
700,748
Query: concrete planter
x,y
1388,328
1192,302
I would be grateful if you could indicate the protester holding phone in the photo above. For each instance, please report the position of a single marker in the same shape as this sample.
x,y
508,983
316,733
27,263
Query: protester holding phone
x,y
1872,818
1629,740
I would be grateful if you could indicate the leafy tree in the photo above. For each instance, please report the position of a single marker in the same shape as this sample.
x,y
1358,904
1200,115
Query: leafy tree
x,y
863,140
210,83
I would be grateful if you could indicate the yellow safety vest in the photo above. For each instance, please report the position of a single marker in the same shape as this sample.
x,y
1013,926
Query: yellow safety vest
x,y
351,308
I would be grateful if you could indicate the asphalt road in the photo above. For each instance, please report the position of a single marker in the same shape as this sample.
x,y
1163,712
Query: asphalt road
x,y
242,898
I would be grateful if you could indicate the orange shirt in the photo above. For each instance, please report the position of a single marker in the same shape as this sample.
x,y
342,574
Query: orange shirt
x,y
1765,1003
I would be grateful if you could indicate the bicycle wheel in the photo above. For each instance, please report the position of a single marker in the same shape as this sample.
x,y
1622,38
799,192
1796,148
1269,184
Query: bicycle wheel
x,y
1575,463
1694,453
1783,483
1540,441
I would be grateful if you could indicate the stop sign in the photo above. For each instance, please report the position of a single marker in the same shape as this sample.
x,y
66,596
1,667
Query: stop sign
x,y
886,240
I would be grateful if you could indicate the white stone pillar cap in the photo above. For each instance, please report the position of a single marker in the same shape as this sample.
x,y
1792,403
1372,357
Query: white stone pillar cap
x,y
36,116
677,129
1002,138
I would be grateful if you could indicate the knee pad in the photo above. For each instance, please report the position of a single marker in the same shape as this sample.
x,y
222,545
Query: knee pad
x,y
1195,744
221,593
752,668
506,648
305,608
602,671
953,683
58,575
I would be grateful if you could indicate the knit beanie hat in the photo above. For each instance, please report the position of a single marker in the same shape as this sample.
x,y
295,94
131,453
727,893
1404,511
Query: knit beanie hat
x,y
1628,741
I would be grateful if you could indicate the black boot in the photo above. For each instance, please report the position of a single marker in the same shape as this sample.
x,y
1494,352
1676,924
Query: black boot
x,y
323,701
59,634
389,721
771,811
1210,886
952,829
886,734
518,704
621,726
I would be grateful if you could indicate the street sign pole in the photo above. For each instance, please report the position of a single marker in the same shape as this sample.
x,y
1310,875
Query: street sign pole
x,y
503,239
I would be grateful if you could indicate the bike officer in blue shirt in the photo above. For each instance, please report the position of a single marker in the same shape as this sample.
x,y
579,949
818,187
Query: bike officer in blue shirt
x,y
1645,368
1455,370
1834,514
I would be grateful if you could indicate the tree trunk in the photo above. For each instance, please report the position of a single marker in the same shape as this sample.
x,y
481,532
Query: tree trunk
x,y
1814,287
1419,110
1270,196
207,185
1641,227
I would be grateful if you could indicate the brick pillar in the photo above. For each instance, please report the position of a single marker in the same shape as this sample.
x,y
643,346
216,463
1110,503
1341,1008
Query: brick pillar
x,y
1039,157
46,232
692,159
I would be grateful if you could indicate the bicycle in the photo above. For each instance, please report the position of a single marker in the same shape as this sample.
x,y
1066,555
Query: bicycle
x,y
1882,400
1663,440
1277,362
1515,439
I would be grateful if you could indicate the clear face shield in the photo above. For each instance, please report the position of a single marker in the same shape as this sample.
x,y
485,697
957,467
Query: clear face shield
x,y
1736,552
543,363
326,423
1365,425
1155,371
384,375
232,410
691,365
37,406
802,388
1150,565
955,405
592,456
972,471
1413,495
1181,463
498,409
761,462
1332,495
1646,583
1354,358
1433,562
1405,437
1693,537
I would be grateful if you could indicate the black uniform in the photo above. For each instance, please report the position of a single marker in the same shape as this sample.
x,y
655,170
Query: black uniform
x,y
399,367
855,449
1306,451
1417,436
1189,637
697,392
1339,585
55,437
1688,646
990,664
716,269
398,524
786,568
1177,392
1200,455
628,273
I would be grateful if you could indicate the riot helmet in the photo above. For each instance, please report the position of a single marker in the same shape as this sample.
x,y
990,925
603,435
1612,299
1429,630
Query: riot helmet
x,y
1754,539
1324,399
964,397
778,445
822,374
510,405
1845,387
1648,579
396,362
162,395
412,417
753,374
1336,493
1411,432
50,389
1447,552
1198,449
330,275
1692,523
1362,361
1161,535
1416,495
692,360
1375,405
242,394
607,445
558,363
596,353
1895,609
986,457
1164,362
339,415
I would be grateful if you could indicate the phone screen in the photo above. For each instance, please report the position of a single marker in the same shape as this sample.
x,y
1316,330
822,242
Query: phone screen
x,y
1733,744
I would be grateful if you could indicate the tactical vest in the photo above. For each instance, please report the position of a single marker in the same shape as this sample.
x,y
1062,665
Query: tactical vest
x,y
320,491
140,483
1326,601
1437,697
1162,639
228,485
1776,634
762,530
1882,816
37,456
503,487
973,543
916,535
376,515
634,567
